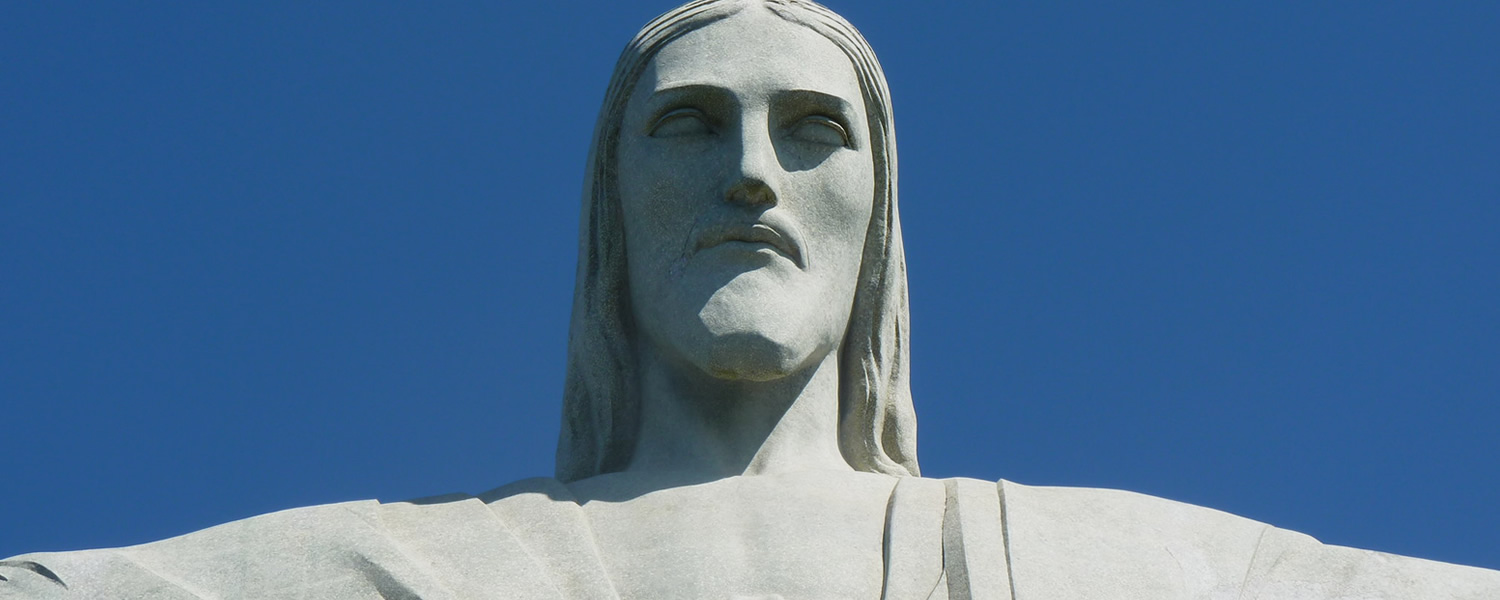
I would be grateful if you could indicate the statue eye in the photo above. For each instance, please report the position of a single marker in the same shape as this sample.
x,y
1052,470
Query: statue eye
x,y
818,129
681,122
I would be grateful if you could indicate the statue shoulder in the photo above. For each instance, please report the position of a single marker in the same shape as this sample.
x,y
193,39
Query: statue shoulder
x,y
449,546
1094,543
535,486
1122,540
190,565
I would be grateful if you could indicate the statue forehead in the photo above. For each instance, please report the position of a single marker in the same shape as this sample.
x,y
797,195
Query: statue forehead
x,y
751,49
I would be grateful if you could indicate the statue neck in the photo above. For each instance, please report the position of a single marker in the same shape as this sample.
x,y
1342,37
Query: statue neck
x,y
704,427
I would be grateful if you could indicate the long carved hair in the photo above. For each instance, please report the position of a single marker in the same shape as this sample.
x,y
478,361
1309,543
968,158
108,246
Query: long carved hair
x,y
601,403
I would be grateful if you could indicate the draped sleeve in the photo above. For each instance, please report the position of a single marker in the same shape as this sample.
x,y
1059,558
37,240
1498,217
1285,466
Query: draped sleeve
x,y
447,548
1107,544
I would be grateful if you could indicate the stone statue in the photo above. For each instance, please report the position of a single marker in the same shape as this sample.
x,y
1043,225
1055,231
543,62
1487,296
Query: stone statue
x,y
737,420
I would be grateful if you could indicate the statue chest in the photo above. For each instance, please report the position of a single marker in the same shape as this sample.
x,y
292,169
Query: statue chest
x,y
748,537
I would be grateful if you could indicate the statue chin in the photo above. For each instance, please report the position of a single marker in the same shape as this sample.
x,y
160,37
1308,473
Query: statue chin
x,y
754,327
749,356
760,336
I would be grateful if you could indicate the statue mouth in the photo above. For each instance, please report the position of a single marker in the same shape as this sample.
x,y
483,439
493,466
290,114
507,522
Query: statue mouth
x,y
776,235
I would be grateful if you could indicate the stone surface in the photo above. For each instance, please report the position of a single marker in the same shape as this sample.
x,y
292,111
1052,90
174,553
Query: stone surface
x,y
737,419
924,538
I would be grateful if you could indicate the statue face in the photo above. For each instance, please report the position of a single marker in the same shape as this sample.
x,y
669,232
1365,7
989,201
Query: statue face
x,y
746,179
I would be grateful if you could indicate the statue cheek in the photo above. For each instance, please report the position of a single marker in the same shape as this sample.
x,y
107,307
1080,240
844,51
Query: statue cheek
x,y
660,199
840,195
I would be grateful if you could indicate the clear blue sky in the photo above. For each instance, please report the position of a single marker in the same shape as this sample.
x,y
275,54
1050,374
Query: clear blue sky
x,y
263,255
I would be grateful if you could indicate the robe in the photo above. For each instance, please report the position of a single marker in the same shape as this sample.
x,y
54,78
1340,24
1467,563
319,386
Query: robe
x,y
953,539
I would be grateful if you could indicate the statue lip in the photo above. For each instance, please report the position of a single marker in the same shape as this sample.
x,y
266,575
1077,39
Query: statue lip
x,y
779,235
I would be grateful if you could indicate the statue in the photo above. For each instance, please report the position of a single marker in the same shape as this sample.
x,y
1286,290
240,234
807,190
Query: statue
x,y
737,420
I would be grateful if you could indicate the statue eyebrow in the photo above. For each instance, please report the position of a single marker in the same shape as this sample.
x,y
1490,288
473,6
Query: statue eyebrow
x,y
818,100
674,97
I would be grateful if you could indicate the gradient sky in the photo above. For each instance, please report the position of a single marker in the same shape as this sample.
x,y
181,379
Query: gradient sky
x,y
270,255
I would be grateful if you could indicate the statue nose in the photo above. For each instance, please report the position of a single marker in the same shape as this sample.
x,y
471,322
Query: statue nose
x,y
756,177
752,191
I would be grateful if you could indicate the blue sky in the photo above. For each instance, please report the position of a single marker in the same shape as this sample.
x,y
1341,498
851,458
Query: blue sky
x,y
272,255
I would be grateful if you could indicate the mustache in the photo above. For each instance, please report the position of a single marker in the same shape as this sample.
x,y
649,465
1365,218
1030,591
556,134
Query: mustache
x,y
768,228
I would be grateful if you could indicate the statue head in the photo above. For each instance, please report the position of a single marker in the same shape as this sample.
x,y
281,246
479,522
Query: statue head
x,y
739,215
